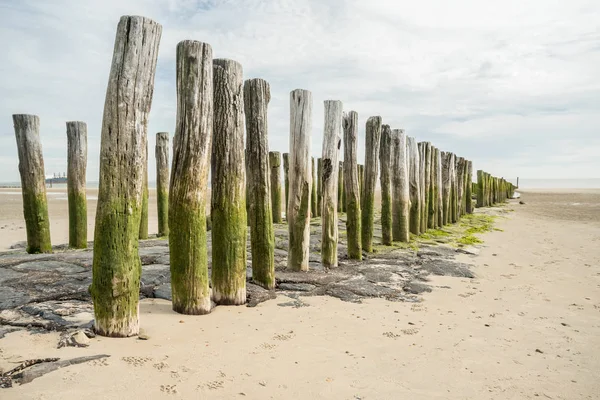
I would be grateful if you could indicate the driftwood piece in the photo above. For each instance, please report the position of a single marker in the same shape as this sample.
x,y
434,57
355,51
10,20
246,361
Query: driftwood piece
x,y
401,188
41,369
188,193
332,140
228,185
116,265
76,170
300,177
33,183
261,164
353,211
371,170
161,153
385,159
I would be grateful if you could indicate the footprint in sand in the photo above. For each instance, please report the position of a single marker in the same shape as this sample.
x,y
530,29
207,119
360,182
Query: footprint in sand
x,y
468,294
136,361
286,336
161,365
170,389
418,307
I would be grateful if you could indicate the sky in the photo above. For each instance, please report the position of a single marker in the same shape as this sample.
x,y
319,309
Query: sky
x,y
512,85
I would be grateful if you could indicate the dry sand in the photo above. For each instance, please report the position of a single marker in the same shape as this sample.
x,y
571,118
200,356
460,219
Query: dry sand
x,y
527,327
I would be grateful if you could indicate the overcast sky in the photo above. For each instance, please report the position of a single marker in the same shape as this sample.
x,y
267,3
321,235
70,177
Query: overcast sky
x,y
513,85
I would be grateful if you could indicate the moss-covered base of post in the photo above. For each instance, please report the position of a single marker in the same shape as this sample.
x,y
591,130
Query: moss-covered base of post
x,y
386,218
367,209
297,254
77,220
276,204
37,223
116,269
189,259
162,200
229,227
263,248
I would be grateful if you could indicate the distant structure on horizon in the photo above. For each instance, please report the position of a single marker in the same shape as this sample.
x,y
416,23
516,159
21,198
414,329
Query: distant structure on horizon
x,y
56,178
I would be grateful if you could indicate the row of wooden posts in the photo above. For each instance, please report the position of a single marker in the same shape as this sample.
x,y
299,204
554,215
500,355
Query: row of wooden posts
x,y
421,186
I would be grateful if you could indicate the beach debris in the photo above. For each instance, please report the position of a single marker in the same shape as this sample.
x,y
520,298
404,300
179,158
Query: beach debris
x,y
80,338
521,202
539,351
29,370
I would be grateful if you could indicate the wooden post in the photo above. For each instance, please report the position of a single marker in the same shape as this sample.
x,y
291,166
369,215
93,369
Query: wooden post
x,y
453,189
353,217
373,137
427,190
116,264
469,188
76,166
460,185
144,216
313,193
189,179
228,186
385,159
33,183
300,179
433,210
319,186
262,168
401,188
480,188
446,190
440,188
275,164
422,205
286,179
414,185
332,139
341,199
161,153
361,181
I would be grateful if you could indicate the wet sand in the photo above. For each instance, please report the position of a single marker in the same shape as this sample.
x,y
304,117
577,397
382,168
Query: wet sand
x,y
527,327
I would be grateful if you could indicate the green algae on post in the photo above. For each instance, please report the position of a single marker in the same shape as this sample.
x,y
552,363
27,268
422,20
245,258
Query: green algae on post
x,y
161,152
385,159
369,178
353,211
275,165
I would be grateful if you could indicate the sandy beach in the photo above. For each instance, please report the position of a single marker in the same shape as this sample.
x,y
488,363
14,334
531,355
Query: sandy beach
x,y
526,327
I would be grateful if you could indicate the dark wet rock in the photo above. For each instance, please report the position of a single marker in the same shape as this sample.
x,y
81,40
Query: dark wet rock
x,y
256,294
448,268
297,287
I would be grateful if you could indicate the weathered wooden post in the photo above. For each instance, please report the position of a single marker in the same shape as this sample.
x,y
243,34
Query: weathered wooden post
x,y
228,185
341,200
261,165
313,193
33,183
373,137
300,179
401,188
144,215
453,189
161,153
361,177
116,264
433,210
469,188
275,164
189,179
427,189
460,185
440,187
286,180
422,199
76,166
446,190
319,186
332,139
385,179
414,185
353,217
480,188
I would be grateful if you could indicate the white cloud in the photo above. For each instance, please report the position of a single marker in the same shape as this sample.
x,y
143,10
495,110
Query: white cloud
x,y
503,83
